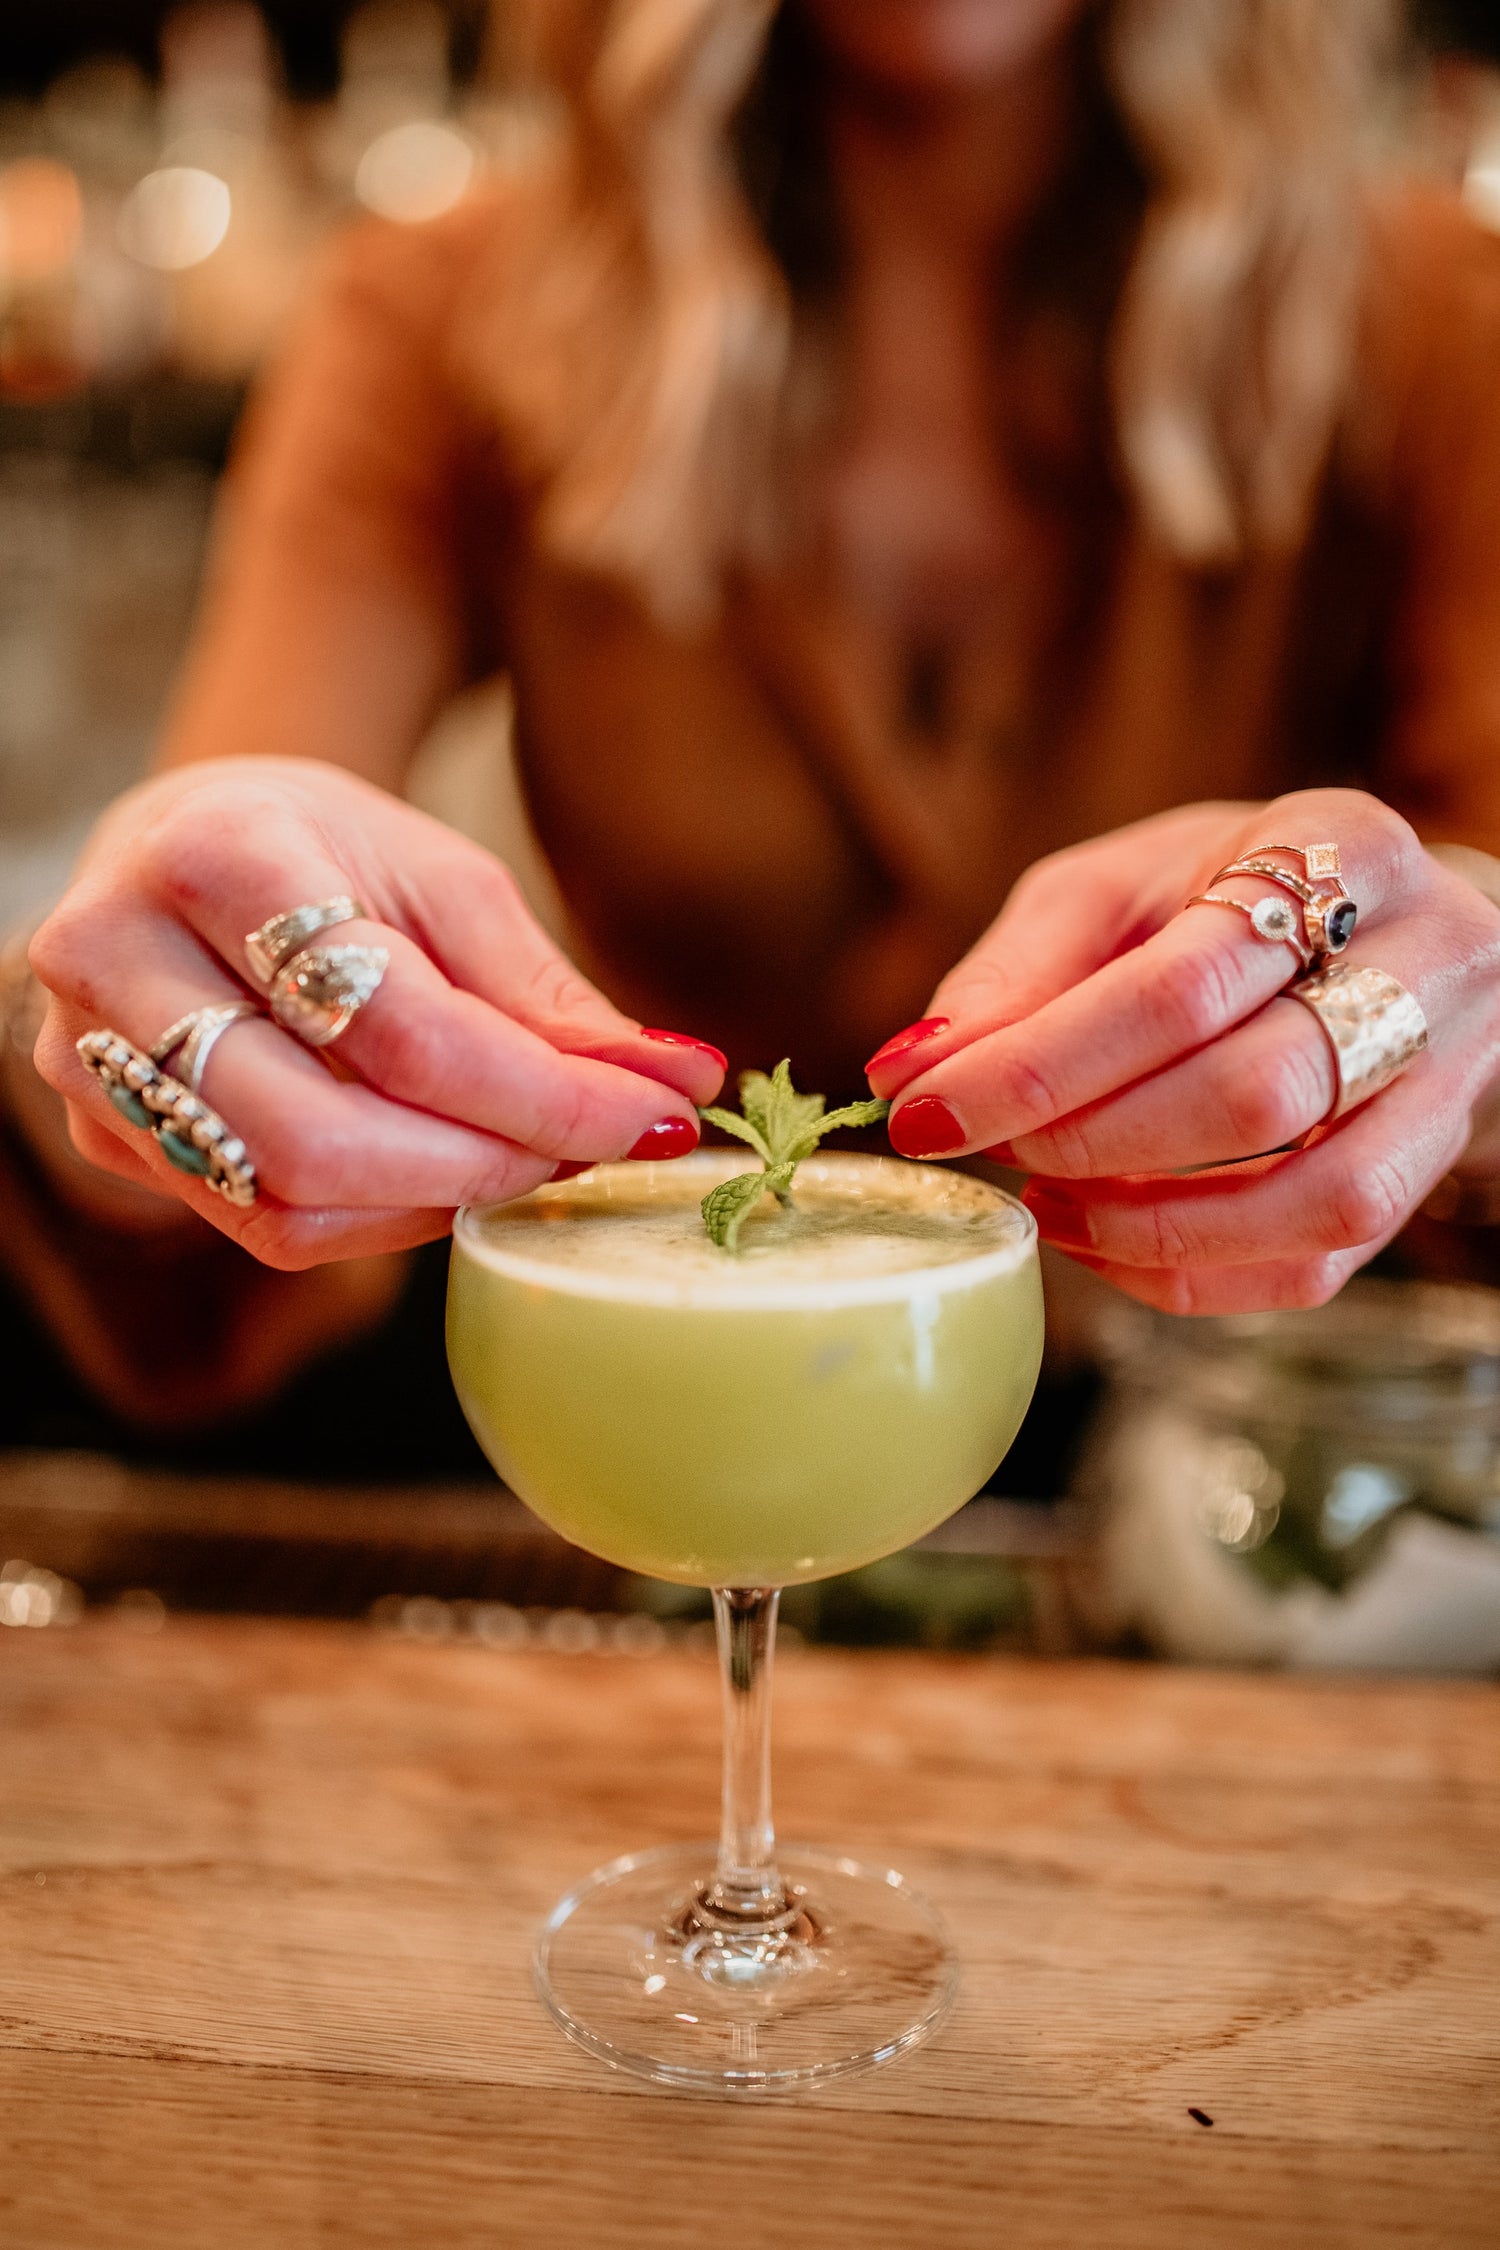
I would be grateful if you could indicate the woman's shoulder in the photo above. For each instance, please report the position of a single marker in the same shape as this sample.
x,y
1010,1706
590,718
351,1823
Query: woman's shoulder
x,y
419,274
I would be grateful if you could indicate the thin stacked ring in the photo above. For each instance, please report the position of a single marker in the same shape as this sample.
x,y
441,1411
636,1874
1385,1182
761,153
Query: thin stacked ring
x,y
1374,1027
1329,915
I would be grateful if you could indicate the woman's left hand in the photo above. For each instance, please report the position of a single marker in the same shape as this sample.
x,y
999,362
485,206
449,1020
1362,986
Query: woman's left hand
x,y
1107,1042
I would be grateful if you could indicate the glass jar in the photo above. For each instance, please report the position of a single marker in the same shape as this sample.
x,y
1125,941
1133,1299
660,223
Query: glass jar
x,y
1308,1488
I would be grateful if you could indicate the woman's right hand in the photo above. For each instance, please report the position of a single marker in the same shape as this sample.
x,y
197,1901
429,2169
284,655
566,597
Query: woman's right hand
x,y
483,1062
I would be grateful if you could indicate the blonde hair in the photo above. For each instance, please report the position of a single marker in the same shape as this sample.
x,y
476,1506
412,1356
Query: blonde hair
x,y
640,345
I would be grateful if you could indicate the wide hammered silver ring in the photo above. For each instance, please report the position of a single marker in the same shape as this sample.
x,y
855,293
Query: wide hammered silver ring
x,y
1374,1027
320,991
269,948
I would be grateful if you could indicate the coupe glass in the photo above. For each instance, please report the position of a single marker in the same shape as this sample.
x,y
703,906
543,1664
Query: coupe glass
x,y
746,1423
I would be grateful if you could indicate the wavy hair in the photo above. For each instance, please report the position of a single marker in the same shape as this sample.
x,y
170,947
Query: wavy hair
x,y
641,345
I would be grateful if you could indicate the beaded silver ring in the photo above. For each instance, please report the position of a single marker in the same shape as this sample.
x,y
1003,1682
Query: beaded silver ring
x,y
193,1138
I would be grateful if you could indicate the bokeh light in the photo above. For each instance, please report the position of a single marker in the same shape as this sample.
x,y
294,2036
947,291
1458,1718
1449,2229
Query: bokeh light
x,y
415,171
41,219
175,218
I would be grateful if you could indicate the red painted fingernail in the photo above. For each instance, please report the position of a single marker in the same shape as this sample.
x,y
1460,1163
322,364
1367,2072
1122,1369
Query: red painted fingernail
x,y
1059,1217
912,1036
571,1166
925,1127
681,1039
668,1137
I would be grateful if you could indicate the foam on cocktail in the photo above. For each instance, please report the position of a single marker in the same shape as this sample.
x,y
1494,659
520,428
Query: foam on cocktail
x,y
857,1227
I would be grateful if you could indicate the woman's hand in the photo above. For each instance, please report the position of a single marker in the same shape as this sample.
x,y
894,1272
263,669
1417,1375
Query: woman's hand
x,y
483,1061
1106,1042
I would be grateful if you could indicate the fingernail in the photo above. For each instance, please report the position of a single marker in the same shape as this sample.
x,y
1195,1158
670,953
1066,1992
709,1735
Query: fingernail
x,y
668,1137
1001,1153
1059,1217
912,1036
571,1166
681,1039
925,1127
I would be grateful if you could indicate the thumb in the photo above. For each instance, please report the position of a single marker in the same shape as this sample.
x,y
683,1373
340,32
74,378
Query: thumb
x,y
480,929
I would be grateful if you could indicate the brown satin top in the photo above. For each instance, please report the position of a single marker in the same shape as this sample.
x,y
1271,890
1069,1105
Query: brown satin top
x,y
758,840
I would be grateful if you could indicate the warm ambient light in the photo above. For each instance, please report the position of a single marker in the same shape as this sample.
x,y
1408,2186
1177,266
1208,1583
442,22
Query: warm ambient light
x,y
41,219
1482,188
415,171
175,218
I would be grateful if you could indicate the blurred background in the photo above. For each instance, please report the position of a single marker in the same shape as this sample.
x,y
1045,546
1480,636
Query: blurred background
x,y
166,176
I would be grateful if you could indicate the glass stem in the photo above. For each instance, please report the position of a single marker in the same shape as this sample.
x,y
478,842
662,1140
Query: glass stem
x,y
746,1884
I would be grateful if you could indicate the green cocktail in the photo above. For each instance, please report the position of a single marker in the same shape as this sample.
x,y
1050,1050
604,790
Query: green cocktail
x,y
822,1398
744,1421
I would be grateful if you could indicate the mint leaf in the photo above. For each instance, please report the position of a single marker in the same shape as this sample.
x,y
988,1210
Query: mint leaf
x,y
726,1207
741,1128
783,1127
852,1114
777,1110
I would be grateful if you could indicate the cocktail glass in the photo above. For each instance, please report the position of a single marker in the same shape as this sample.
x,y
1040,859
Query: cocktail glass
x,y
744,1424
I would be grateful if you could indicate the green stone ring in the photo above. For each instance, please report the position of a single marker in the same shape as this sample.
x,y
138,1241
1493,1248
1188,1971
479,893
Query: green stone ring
x,y
191,1136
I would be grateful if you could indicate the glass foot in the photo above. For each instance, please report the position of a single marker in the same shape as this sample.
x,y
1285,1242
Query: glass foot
x,y
639,1968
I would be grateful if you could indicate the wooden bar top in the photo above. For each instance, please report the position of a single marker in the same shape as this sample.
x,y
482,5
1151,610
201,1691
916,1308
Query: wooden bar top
x,y
267,1893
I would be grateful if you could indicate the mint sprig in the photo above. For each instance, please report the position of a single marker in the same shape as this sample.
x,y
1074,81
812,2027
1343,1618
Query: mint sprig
x,y
783,1127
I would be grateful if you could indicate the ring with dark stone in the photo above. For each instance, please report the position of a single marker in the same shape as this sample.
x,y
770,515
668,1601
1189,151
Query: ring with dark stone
x,y
1330,915
193,1138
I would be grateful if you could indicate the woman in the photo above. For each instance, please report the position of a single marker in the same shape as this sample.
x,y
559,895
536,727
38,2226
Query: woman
x,y
907,454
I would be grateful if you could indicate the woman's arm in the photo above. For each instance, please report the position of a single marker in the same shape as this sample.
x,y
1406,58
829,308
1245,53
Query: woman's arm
x,y
333,620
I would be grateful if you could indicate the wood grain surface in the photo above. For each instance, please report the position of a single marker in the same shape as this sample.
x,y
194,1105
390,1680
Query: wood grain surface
x,y
267,1892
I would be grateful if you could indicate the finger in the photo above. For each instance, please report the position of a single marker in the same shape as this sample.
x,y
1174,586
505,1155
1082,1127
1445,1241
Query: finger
x,y
272,1232
430,1044
1199,976
477,926
1255,1090
225,876
107,1152
1067,916
314,1141
1286,1285
429,1047
1351,1191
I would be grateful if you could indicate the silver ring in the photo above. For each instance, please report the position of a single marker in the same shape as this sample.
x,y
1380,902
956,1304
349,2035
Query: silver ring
x,y
1373,1025
320,991
269,948
197,1034
193,1138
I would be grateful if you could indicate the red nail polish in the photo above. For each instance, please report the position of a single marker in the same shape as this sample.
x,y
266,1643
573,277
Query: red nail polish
x,y
1059,1218
912,1036
925,1127
570,1167
681,1039
668,1137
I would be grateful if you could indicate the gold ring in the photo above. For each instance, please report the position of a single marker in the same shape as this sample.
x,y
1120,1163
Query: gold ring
x,y
1373,1026
1328,918
1270,918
